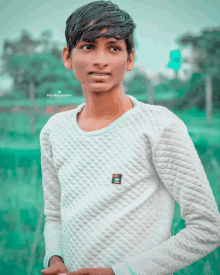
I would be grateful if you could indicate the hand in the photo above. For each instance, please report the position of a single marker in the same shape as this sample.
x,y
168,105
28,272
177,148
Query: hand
x,y
92,271
55,269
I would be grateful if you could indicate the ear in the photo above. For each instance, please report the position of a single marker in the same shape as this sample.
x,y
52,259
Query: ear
x,y
130,62
66,58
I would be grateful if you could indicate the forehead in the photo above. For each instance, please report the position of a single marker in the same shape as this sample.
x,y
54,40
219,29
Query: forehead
x,y
106,40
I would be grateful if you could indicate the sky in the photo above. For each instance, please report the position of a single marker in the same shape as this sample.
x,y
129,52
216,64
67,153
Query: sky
x,y
159,23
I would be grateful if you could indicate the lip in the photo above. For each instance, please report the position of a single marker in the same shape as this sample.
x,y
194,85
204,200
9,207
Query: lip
x,y
91,73
99,76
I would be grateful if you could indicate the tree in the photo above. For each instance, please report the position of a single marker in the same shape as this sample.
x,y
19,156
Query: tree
x,y
206,61
56,51
46,39
38,67
206,47
137,84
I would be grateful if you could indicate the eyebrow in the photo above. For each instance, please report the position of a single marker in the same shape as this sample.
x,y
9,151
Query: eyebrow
x,y
110,42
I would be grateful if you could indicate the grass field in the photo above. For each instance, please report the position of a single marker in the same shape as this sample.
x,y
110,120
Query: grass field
x,y
22,219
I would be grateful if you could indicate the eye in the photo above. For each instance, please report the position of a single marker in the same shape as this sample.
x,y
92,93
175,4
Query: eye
x,y
90,45
87,45
116,48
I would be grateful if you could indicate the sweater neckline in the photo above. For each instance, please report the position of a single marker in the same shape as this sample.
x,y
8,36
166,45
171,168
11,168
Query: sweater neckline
x,y
106,129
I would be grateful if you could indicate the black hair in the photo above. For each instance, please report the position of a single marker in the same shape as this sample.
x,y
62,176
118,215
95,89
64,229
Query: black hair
x,y
104,14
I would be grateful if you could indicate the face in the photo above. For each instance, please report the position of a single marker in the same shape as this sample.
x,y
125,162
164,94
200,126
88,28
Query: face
x,y
107,55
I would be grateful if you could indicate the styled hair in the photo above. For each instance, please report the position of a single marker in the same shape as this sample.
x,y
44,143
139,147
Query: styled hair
x,y
104,14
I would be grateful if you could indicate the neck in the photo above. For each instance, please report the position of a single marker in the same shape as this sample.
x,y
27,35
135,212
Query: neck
x,y
106,105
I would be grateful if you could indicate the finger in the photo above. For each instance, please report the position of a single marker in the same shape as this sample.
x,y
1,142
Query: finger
x,y
46,271
83,271
50,270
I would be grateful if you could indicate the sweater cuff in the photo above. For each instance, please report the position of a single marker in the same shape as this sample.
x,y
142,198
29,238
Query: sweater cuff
x,y
49,255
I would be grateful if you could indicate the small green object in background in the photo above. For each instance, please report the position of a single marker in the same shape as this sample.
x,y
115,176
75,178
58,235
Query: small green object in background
x,y
131,271
175,60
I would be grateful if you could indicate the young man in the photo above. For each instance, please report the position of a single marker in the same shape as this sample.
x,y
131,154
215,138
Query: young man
x,y
114,167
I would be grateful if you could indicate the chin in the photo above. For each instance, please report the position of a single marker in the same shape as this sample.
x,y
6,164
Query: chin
x,y
100,87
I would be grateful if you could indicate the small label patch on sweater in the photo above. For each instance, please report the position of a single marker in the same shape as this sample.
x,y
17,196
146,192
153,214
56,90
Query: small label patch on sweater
x,y
116,178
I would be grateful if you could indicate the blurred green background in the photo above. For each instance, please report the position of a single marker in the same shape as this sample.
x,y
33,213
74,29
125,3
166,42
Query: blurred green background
x,y
34,85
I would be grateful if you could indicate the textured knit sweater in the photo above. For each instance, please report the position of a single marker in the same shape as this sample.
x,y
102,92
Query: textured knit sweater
x,y
109,194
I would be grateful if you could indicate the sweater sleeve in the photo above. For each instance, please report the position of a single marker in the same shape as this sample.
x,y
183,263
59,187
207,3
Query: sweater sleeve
x,y
52,198
180,170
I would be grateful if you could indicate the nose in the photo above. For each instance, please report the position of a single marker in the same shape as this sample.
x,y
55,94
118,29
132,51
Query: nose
x,y
101,57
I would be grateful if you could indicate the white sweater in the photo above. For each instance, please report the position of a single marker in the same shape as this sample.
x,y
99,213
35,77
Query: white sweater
x,y
109,194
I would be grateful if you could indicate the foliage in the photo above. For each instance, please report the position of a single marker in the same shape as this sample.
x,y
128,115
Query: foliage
x,y
206,47
13,95
45,38
44,68
206,61
137,83
193,94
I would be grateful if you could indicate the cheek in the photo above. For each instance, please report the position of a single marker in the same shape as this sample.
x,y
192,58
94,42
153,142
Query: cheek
x,y
120,68
79,69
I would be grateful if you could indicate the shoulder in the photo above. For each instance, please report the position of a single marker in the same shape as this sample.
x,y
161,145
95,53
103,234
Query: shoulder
x,y
161,120
162,116
55,122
